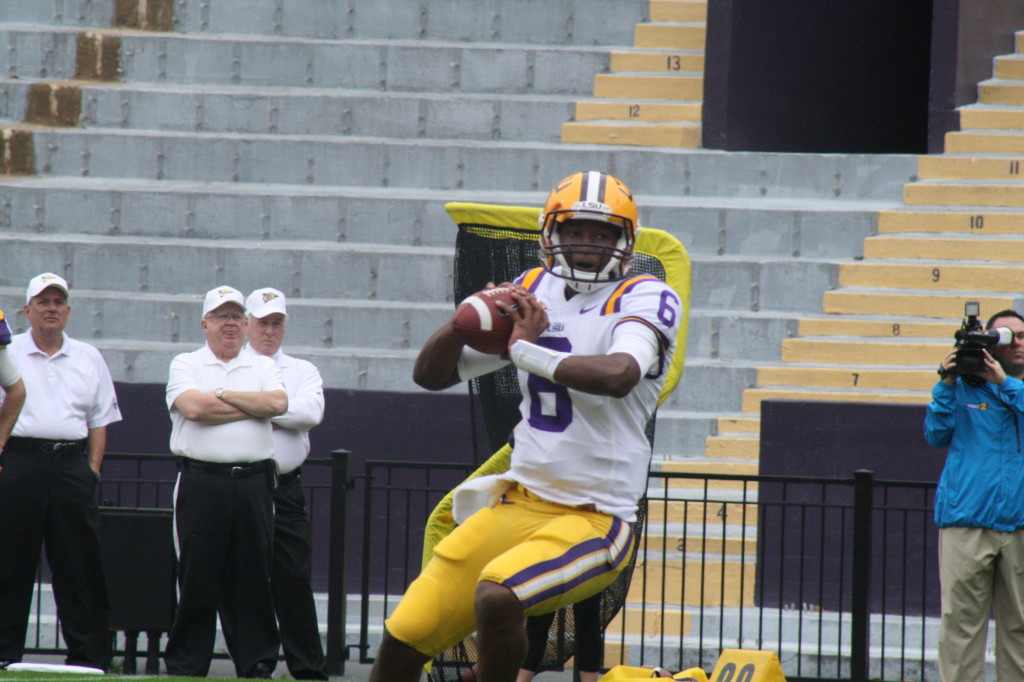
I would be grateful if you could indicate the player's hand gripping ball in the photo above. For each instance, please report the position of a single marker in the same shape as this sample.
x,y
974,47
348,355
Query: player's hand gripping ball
x,y
481,324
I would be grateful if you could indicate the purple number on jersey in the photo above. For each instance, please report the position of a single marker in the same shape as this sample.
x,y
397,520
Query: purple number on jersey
x,y
562,417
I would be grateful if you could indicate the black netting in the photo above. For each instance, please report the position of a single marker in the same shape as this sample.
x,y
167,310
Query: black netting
x,y
490,254
487,254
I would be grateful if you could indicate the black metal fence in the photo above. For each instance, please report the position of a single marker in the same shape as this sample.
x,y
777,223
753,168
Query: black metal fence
x,y
838,576
141,486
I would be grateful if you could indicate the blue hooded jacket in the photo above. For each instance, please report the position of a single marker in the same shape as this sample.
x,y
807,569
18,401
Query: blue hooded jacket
x,y
982,484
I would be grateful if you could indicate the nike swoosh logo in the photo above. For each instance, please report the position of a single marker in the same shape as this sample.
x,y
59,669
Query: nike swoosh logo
x,y
584,311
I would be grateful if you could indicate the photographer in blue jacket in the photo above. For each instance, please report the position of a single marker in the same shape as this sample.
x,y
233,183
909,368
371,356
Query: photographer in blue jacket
x,y
977,410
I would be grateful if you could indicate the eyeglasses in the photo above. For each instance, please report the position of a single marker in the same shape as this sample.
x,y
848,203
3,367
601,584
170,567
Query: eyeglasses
x,y
224,317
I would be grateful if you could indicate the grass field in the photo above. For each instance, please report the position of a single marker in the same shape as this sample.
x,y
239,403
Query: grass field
x,y
73,677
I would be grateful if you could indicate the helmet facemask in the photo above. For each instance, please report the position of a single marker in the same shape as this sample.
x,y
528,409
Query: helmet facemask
x,y
590,196
614,261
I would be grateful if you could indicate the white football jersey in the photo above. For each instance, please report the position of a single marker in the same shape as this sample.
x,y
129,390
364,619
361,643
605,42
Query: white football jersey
x,y
577,448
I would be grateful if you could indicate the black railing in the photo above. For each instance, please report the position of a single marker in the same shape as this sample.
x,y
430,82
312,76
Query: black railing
x,y
838,576
145,483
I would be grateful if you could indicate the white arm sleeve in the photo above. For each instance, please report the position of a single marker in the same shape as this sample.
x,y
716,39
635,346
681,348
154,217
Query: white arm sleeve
x,y
9,372
473,363
639,341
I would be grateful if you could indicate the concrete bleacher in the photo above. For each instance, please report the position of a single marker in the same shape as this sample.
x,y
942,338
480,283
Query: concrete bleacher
x,y
312,146
890,319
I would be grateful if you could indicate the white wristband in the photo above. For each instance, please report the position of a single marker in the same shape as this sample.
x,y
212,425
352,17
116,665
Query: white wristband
x,y
536,359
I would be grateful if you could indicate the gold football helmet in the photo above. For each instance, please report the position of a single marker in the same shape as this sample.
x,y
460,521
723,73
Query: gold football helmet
x,y
592,196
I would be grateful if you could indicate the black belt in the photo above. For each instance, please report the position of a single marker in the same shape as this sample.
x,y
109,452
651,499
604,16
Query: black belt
x,y
234,470
285,479
45,446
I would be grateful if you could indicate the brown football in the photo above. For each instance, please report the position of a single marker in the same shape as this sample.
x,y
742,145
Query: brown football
x,y
481,324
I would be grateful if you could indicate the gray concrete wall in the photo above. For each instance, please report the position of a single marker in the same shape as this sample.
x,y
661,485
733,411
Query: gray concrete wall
x,y
311,145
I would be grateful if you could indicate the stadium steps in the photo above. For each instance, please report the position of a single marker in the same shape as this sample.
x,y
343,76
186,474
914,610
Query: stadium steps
x,y
163,154
957,239
733,504
284,110
567,21
695,580
191,156
653,95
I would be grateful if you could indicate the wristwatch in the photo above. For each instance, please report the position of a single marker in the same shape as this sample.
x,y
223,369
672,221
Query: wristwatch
x,y
219,393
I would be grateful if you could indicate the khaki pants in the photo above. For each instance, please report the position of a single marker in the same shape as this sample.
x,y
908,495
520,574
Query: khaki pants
x,y
979,569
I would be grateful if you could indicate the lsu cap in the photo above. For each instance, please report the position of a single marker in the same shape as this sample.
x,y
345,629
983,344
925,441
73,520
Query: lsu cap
x,y
218,296
266,301
40,282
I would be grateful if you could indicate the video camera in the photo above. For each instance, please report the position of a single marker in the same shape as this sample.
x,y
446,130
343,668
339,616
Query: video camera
x,y
972,339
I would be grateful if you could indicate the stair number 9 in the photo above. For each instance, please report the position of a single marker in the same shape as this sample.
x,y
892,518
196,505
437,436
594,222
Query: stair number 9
x,y
935,274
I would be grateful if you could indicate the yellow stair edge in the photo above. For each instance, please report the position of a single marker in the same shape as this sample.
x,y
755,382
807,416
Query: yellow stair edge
x,y
636,619
849,377
668,62
952,194
994,142
645,135
975,220
941,306
712,512
644,112
945,249
1008,68
858,353
642,86
1001,93
970,167
752,397
712,544
691,583
679,10
730,425
943,276
980,117
678,36
875,328
743,446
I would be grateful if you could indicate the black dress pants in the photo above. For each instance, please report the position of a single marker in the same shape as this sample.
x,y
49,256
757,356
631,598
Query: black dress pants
x,y
290,582
48,500
223,532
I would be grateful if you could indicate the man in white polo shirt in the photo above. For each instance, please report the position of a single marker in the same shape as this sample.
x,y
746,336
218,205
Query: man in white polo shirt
x,y
51,466
293,594
221,399
12,387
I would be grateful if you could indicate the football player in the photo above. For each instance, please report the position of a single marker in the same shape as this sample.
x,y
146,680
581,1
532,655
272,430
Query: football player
x,y
591,344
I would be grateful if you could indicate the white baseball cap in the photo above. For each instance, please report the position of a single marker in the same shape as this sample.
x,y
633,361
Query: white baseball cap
x,y
40,282
218,296
266,301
